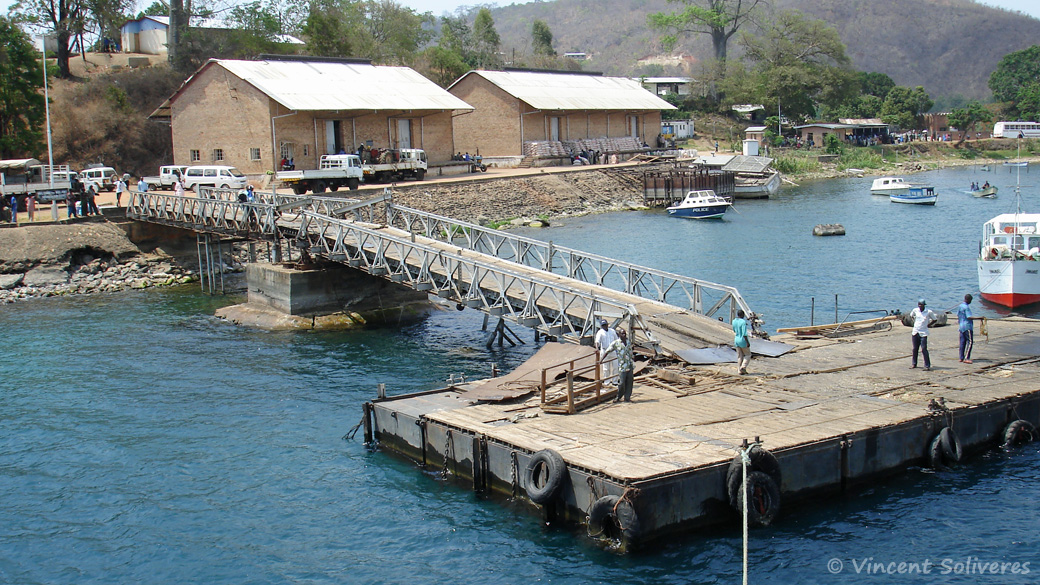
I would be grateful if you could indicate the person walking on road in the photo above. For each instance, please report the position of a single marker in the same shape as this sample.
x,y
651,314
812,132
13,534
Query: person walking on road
x,y
966,328
604,337
742,342
120,187
923,318
621,347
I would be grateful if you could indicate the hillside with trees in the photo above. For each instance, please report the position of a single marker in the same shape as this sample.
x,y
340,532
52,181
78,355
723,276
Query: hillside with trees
x,y
948,46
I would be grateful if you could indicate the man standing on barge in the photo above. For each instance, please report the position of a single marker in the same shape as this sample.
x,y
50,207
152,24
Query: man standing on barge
x,y
604,337
742,342
966,328
923,318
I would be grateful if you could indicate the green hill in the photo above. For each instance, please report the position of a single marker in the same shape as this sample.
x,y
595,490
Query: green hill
x,y
948,46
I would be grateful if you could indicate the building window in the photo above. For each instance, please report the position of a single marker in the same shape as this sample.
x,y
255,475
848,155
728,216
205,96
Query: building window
x,y
254,154
306,151
218,154
195,155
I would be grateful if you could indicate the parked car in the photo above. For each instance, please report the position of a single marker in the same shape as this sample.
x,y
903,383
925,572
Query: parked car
x,y
103,176
220,176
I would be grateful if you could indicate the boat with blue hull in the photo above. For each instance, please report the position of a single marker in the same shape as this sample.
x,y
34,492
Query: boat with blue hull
x,y
916,195
702,204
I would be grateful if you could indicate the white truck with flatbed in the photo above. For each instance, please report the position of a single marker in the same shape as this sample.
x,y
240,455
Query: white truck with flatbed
x,y
334,171
29,176
168,175
394,165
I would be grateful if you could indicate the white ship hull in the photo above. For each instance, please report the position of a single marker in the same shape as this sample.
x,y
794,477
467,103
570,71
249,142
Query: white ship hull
x,y
1010,283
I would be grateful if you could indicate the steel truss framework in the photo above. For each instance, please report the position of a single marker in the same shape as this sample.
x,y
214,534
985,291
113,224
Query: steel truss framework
x,y
429,253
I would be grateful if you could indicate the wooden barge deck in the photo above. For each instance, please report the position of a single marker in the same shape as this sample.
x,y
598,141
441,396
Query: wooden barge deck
x,y
832,413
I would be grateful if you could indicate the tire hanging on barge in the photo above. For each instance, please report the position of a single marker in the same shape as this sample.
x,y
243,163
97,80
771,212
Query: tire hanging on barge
x,y
614,517
945,449
1018,433
544,476
763,485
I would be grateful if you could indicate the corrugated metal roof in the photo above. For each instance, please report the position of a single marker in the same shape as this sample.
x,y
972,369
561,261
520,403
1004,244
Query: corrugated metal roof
x,y
321,86
569,91
748,164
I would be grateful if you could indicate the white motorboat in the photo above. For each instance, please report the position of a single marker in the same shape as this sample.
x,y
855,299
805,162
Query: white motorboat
x,y
889,186
702,204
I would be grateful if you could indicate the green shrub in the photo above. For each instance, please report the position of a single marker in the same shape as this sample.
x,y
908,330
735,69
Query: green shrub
x,y
796,165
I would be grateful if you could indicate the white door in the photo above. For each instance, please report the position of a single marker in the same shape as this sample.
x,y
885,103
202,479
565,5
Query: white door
x,y
404,133
554,129
633,126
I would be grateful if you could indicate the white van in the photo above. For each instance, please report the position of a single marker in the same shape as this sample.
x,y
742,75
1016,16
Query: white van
x,y
104,176
214,176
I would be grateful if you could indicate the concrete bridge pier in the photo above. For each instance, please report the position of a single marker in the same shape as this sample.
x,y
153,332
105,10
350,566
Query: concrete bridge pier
x,y
328,296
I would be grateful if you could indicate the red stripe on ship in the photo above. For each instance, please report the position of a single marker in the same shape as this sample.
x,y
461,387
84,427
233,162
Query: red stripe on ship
x,y
1011,300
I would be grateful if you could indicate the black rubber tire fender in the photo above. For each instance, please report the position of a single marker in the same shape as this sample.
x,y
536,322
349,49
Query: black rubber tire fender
x,y
945,449
353,183
333,186
318,187
544,476
299,188
1018,433
420,175
614,517
764,499
761,460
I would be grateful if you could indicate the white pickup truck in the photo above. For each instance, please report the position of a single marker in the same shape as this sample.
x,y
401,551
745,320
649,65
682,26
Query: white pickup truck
x,y
168,175
29,176
394,165
334,171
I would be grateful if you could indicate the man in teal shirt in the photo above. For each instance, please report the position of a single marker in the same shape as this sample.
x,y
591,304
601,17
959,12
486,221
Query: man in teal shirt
x,y
742,342
965,326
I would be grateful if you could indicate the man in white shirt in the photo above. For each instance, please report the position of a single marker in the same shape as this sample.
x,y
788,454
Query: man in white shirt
x,y
922,319
604,337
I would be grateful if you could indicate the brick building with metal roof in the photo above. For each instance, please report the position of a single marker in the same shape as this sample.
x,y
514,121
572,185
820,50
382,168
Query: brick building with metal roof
x,y
253,114
514,108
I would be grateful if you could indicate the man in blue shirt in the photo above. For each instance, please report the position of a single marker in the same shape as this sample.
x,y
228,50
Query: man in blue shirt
x,y
742,342
967,329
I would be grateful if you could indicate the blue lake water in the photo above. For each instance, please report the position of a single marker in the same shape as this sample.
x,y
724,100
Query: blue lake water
x,y
142,440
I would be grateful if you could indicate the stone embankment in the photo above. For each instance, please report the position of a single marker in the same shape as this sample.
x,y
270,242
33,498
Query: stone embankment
x,y
84,258
97,255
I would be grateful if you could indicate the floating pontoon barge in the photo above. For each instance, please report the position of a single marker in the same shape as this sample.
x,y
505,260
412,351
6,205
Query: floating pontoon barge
x,y
829,414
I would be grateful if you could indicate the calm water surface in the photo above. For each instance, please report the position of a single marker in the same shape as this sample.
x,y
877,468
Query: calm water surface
x,y
142,440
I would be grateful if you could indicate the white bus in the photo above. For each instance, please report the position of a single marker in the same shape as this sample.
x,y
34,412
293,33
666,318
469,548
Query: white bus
x,y
1016,129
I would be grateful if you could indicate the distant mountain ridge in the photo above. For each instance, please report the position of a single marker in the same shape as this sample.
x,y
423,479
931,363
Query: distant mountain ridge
x,y
948,46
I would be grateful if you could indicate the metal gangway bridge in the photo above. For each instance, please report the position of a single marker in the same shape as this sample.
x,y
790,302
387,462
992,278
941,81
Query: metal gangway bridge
x,y
559,292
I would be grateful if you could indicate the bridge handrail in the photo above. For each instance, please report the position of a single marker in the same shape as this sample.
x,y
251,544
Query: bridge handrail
x,y
592,305
572,260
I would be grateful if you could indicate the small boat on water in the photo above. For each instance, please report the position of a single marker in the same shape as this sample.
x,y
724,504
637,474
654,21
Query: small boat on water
x,y
889,186
987,192
916,195
702,204
756,186
1017,163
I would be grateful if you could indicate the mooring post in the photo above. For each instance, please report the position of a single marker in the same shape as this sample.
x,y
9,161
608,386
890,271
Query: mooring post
x,y
366,418
381,391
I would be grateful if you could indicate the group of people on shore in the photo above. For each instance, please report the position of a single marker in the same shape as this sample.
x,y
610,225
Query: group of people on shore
x,y
9,207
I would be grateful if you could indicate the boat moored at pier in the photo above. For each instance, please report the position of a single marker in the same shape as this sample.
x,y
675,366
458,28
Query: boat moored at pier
x,y
1009,260
700,204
